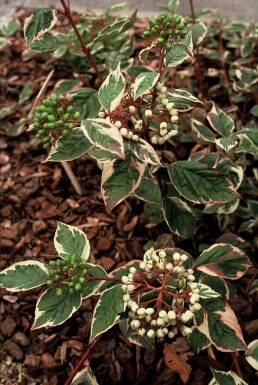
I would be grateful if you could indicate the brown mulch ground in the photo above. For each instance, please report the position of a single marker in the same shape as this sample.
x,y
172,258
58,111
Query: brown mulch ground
x,y
34,196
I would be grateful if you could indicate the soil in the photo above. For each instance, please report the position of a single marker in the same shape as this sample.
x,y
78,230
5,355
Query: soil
x,y
34,196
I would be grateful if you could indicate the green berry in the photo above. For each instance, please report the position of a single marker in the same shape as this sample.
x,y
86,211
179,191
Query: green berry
x,y
41,132
74,278
69,109
59,291
52,272
53,97
49,282
84,271
50,110
178,20
52,126
47,103
38,136
67,258
65,132
46,145
76,265
77,115
152,22
37,124
71,284
160,40
65,269
181,284
162,34
58,262
51,118
57,278
181,26
83,263
177,32
168,25
44,115
61,98
52,263
46,139
66,116
74,259
82,279
38,109
60,110
78,287
168,45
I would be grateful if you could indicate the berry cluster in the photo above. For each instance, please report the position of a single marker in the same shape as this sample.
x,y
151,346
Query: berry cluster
x,y
54,120
155,122
165,29
161,296
68,272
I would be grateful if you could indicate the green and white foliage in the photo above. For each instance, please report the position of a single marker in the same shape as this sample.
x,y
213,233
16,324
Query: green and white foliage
x,y
107,310
112,90
103,135
24,276
40,22
53,310
252,354
199,32
223,260
9,27
143,83
180,52
223,378
70,240
184,101
120,178
85,377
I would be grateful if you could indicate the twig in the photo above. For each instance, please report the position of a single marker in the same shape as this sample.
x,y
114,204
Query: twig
x,y
239,371
72,177
84,47
82,360
41,91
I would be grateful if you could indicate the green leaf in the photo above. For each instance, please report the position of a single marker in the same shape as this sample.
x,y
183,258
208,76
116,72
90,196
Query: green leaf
x,y
199,32
6,111
223,260
200,184
87,102
25,94
198,341
10,27
148,191
252,354
202,132
145,152
227,378
70,240
254,287
226,143
40,22
206,291
120,178
92,287
217,284
103,135
107,310
177,55
254,110
115,8
65,85
115,57
53,310
24,276
71,149
179,217
143,83
85,377
183,100
50,42
253,207
112,90
220,121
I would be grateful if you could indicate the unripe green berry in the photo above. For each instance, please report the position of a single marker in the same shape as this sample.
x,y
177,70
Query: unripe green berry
x,y
82,279
177,32
76,265
47,103
46,139
58,262
46,145
65,132
78,287
168,25
69,109
52,126
181,26
50,110
52,263
44,115
57,278
51,118
181,284
74,278
38,109
42,132
61,98
84,271
65,269
59,291
146,34
77,115
36,124
66,117
53,97
60,110
38,136
70,126
162,34
178,20
168,45
52,272
60,122
49,282
160,40
67,258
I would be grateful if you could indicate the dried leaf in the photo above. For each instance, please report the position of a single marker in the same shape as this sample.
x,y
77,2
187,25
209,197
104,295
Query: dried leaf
x,y
177,362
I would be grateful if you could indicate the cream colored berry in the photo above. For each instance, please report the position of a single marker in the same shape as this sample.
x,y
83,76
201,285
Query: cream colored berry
x,y
161,140
123,131
132,109
174,119
118,124
135,138
148,113
154,139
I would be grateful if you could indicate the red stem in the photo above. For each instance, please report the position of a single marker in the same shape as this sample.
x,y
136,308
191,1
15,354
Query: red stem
x,y
238,369
84,47
82,360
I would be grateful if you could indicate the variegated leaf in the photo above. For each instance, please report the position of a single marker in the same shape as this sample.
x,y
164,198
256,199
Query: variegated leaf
x,y
251,355
144,53
24,276
198,341
202,132
143,83
148,191
41,21
200,184
226,143
120,178
199,31
223,260
183,100
85,377
179,53
70,240
206,292
132,335
92,287
226,378
107,310
112,90
104,135
220,121
145,152
53,310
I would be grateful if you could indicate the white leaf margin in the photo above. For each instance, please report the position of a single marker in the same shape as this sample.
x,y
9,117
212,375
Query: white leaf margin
x,y
248,355
43,31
